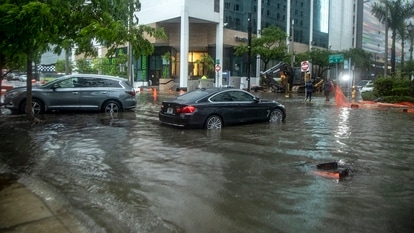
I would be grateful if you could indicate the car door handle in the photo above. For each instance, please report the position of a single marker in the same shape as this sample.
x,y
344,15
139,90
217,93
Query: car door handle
x,y
75,92
104,92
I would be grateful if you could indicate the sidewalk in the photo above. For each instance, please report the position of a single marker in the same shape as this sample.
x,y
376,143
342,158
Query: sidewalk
x,y
23,211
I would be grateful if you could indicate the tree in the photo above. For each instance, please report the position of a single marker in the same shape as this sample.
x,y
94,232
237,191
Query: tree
x,y
271,45
166,59
111,24
359,57
393,13
27,39
60,66
28,28
319,59
115,66
207,62
84,66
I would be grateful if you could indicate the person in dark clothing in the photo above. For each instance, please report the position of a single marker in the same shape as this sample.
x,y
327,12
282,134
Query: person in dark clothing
x,y
327,88
309,90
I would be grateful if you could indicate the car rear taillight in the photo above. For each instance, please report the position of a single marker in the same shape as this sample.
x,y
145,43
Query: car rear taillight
x,y
132,92
185,109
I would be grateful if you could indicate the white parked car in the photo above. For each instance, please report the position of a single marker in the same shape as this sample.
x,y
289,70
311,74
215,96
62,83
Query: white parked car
x,y
368,87
362,83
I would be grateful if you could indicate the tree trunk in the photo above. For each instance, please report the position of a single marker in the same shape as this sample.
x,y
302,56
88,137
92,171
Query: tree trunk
x,y
28,109
67,61
394,35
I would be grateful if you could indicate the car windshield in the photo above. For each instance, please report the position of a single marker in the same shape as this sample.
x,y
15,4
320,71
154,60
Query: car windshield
x,y
362,82
194,95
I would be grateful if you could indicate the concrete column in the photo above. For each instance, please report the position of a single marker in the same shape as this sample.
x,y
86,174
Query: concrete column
x,y
311,26
219,45
259,32
184,45
288,26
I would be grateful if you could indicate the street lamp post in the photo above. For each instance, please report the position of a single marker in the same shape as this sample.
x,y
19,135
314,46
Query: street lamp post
x,y
249,46
410,29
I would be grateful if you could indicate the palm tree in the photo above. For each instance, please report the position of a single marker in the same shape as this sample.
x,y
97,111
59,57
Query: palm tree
x,y
393,14
207,62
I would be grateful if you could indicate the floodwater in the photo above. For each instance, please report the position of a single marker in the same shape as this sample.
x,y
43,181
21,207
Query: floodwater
x,y
131,174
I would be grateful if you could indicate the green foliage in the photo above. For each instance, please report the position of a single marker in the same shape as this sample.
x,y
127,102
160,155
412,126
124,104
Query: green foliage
x,y
369,95
271,45
109,24
28,28
397,99
84,66
115,66
166,59
359,57
391,90
318,58
393,13
208,63
60,66
383,86
408,68
401,91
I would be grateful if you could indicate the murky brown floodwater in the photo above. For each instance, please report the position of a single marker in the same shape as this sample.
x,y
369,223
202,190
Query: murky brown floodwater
x,y
131,174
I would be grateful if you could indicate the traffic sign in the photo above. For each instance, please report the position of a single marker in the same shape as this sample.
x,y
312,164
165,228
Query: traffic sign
x,y
304,66
218,68
336,58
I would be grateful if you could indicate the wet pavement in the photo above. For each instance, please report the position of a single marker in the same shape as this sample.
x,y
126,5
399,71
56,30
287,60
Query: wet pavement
x,y
24,211
131,174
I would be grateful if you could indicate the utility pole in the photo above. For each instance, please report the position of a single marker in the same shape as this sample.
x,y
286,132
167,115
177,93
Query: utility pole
x,y
259,34
292,41
249,46
130,72
386,42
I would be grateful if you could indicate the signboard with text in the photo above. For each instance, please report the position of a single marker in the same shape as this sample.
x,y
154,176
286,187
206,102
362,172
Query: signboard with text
x,y
336,58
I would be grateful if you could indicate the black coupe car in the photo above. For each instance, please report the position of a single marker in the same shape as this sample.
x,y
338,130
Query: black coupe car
x,y
217,107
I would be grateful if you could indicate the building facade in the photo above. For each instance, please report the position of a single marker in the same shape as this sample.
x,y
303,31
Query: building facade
x,y
195,28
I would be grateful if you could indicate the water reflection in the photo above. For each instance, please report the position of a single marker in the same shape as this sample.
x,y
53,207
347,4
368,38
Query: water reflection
x,y
131,174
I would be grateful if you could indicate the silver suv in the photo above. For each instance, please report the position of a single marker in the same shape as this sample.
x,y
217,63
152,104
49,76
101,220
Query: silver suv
x,y
78,92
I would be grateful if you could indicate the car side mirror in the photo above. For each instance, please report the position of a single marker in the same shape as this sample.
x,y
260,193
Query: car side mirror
x,y
55,86
256,99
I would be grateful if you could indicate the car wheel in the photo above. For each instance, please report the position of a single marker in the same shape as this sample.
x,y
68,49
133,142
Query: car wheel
x,y
276,115
214,122
37,107
112,107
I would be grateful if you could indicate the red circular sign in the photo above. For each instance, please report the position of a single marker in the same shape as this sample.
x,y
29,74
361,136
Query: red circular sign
x,y
304,65
218,68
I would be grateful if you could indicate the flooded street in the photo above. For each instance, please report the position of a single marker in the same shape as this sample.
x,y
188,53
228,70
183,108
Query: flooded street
x,y
131,174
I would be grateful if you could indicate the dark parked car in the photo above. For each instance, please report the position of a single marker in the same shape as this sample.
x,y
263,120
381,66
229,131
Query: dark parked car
x,y
217,107
87,92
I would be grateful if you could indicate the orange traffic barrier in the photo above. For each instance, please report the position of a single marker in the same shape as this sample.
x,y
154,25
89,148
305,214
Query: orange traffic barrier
x,y
5,88
328,174
331,170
